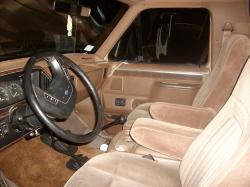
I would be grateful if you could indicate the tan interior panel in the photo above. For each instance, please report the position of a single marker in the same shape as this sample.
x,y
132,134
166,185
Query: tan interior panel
x,y
138,84
85,110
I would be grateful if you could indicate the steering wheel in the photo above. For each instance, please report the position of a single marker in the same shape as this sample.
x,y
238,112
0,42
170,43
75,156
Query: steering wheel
x,y
59,99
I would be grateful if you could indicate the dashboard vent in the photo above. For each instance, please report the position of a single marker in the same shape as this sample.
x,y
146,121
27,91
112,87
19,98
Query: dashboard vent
x,y
44,81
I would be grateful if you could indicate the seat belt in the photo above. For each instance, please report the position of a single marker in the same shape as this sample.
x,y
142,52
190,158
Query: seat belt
x,y
162,46
227,31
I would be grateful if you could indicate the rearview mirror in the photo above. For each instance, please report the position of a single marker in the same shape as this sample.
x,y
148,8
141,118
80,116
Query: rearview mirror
x,y
72,9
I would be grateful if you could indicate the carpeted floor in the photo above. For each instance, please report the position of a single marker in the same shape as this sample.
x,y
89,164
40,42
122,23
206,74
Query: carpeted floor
x,y
34,164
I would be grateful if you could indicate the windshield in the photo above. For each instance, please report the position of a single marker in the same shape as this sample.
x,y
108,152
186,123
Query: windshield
x,y
31,26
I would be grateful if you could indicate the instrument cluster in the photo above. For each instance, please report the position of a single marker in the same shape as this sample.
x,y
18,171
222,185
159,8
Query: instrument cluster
x,y
11,100
11,90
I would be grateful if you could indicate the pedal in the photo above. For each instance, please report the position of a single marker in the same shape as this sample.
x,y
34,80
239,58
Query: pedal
x,y
76,162
58,145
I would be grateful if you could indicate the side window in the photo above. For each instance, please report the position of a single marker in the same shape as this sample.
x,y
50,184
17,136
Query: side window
x,y
179,36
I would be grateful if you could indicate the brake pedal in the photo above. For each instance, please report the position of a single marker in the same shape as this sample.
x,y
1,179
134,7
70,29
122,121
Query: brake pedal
x,y
58,145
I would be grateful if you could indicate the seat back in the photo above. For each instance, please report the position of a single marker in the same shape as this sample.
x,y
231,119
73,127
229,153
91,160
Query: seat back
x,y
226,139
219,85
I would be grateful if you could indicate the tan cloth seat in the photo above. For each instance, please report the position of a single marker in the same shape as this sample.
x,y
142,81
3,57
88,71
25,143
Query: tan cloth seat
x,y
217,88
209,100
119,170
141,111
161,139
216,155
165,138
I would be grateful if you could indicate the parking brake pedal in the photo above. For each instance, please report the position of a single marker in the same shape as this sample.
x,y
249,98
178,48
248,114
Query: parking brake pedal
x,y
76,162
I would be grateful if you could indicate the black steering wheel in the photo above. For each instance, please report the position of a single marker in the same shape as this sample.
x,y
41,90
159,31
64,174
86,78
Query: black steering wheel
x,y
59,99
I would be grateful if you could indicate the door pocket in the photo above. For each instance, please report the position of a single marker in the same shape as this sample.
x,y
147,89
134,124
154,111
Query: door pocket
x,y
174,92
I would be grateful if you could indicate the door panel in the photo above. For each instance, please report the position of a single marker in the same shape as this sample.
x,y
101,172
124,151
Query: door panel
x,y
140,83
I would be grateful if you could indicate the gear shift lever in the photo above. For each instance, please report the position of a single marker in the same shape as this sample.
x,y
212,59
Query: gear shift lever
x,y
120,120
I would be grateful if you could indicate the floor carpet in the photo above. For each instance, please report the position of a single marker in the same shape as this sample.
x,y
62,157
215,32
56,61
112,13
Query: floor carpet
x,y
34,164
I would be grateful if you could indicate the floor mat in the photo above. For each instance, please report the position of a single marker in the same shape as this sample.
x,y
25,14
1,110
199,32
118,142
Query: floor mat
x,y
32,163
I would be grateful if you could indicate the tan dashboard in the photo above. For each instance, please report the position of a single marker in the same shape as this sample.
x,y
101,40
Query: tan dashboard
x,y
95,69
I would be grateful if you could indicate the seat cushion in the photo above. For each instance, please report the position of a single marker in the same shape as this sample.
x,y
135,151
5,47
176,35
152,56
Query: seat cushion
x,y
162,135
125,169
141,111
5,182
123,142
160,144
189,116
